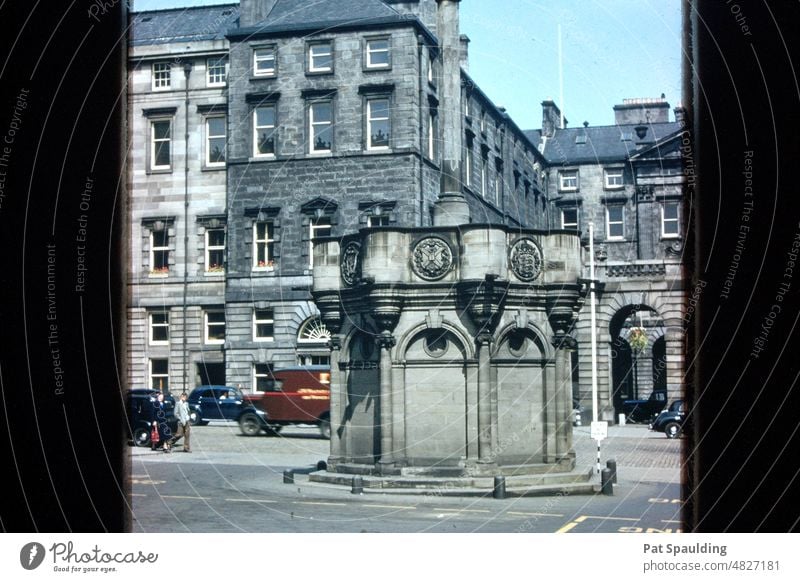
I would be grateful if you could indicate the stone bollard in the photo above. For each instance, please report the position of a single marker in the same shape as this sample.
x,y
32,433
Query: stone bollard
x,y
606,485
288,476
357,486
499,491
612,465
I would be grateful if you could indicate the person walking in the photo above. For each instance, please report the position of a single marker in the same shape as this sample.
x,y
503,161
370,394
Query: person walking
x,y
184,424
160,423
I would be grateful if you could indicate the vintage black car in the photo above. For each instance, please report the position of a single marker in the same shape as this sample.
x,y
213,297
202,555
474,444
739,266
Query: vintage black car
x,y
141,414
216,403
671,420
644,410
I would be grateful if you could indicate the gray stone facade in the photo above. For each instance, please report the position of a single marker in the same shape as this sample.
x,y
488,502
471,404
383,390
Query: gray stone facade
x,y
264,206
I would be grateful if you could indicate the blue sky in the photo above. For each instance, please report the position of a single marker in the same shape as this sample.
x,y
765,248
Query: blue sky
x,y
612,49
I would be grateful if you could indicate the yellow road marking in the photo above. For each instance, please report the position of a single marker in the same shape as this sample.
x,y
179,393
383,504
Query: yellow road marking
x,y
138,495
185,497
572,524
251,500
450,510
391,506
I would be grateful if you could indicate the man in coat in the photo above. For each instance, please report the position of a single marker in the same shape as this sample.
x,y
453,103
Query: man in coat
x,y
184,423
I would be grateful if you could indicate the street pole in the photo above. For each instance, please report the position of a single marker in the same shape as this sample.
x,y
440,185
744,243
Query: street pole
x,y
187,69
593,335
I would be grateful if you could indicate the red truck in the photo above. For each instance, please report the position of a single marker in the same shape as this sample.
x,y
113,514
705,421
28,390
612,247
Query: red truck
x,y
300,395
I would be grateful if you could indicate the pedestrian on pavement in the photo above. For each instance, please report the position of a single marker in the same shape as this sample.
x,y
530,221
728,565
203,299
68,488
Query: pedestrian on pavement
x,y
160,423
184,424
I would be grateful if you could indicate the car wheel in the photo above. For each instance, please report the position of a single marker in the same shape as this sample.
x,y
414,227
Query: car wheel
x,y
249,424
325,427
672,430
141,437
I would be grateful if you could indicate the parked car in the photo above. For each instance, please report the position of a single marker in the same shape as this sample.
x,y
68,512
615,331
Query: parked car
x,y
644,410
142,413
671,420
299,395
216,403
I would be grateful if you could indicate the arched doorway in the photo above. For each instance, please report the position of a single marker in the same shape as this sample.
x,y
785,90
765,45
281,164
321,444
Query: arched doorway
x,y
362,410
634,369
436,404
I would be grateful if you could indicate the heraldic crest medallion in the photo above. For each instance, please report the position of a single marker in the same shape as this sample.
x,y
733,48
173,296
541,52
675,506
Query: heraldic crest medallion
x,y
350,265
525,258
432,258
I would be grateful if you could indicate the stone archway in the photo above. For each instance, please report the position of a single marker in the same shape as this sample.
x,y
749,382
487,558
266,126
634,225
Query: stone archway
x,y
436,399
632,363
519,367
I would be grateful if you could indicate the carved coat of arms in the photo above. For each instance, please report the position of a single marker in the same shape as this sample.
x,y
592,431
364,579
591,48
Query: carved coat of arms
x,y
432,258
350,265
525,259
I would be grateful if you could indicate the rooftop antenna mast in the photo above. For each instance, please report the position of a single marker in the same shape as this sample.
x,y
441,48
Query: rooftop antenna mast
x,y
560,80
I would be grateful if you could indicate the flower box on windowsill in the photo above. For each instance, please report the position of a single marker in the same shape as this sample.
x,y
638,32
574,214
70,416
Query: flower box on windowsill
x,y
215,270
160,272
264,266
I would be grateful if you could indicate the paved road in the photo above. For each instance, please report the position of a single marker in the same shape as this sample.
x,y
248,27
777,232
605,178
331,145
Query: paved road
x,y
232,483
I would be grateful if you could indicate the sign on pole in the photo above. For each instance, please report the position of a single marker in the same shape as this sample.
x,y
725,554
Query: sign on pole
x,y
599,430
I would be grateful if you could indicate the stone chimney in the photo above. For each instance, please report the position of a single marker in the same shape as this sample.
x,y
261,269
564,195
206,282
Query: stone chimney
x,y
464,40
551,118
641,111
251,12
451,208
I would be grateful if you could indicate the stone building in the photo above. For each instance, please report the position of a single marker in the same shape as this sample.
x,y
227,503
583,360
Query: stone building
x,y
177,72
307,120
628,180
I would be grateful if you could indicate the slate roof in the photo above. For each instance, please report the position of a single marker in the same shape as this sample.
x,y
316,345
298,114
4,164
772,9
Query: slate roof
x,y
177,25
301,15
601,143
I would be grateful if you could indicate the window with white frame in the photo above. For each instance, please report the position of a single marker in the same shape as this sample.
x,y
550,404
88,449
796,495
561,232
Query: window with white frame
x,y
613,178
568,180
214,324
216,71
159,374
159,328
263,325
263,380
498,182
484,176
160,144
313,331
215,140
159,251
162,76
319,227
378,220
377,53
615,222
262,245
432,130
264,124
264,61
320,123
569,218
378,123
313,360
215,250
670,220
468,165
320,57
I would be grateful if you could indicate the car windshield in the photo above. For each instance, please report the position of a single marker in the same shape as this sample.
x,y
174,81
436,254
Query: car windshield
x,y
676,406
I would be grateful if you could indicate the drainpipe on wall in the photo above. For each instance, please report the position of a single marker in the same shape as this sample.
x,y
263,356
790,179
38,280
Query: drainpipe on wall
x,y
187,69
421,94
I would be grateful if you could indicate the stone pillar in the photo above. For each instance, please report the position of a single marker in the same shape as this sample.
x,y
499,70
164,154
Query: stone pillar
x,y
563,400
386,342
338,404
485,429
